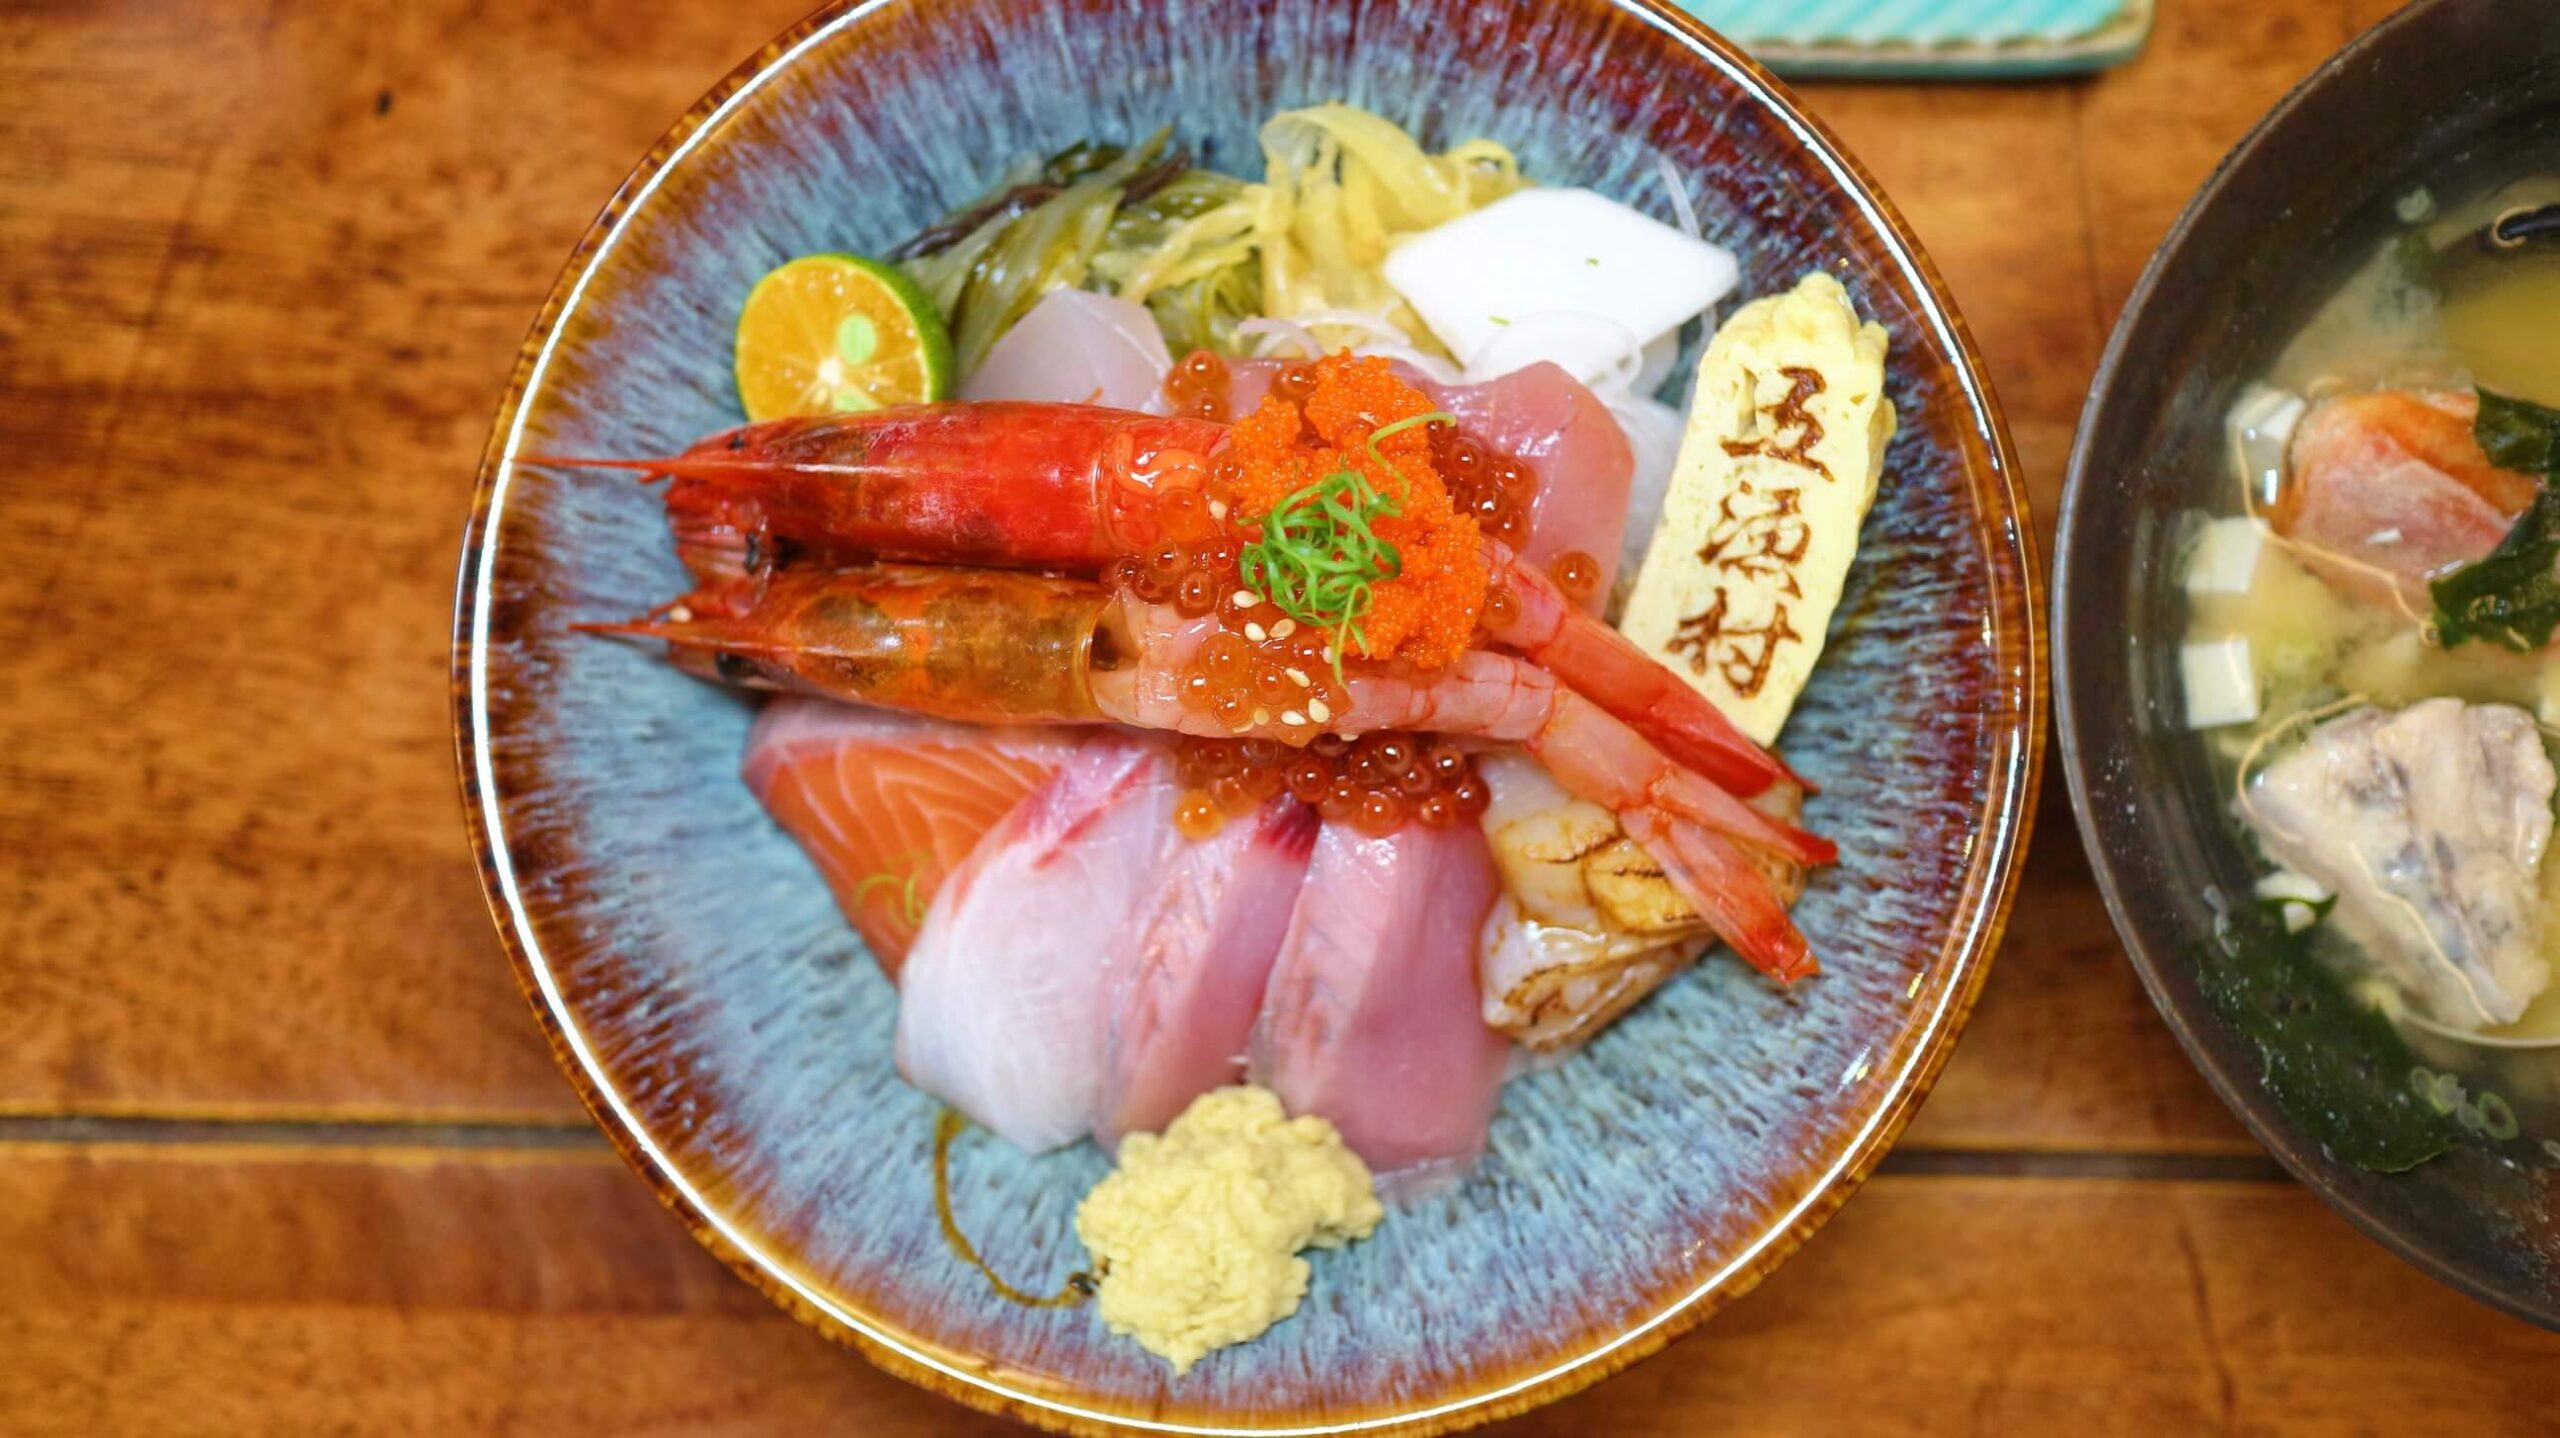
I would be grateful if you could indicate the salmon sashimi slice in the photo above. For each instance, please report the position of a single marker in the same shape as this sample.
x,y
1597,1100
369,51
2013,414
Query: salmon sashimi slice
x,y
1372,1018
1003,1005
1191,974
2386,490
885,805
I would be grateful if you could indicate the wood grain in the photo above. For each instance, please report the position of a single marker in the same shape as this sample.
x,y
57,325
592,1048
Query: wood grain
x,y
187,1292
250,348
2065,1050
263,267
268,267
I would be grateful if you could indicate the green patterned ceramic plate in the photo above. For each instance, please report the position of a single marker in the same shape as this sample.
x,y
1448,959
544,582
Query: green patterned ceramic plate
x,y
1948,39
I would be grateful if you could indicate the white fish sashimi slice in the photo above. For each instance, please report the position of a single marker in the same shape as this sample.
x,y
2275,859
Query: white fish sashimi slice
x,y
1372,1018
1191,976
1077,347
1003,1001
1554,248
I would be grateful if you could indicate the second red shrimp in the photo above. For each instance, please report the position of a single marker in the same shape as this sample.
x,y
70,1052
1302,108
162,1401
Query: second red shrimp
x,y
1069,488
996,646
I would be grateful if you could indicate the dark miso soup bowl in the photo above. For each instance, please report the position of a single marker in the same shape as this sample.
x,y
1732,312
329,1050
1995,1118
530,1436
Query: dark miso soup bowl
x,y
725,1026
2439,95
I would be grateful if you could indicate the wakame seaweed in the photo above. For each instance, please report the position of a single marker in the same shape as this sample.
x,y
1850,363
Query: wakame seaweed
x,y
988,279
1060,170
1200,313
1058,226
2335,1067
2512,595
2518,434
1080,219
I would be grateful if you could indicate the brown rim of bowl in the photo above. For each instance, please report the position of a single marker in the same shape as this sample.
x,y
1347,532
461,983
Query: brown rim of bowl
x,y
1992,881
2306,1161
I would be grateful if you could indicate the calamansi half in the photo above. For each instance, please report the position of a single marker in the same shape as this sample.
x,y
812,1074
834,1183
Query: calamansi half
x,y
825,334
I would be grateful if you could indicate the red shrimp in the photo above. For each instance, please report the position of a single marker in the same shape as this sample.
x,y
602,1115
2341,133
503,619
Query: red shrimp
x,y
999,646
1004,483
1629,683
1068,488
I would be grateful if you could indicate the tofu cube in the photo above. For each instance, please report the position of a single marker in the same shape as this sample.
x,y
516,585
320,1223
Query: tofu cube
x,y
2225,559
2221,682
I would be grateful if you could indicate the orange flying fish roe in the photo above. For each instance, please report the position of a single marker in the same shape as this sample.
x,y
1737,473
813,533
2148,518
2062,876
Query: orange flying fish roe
x,y
1426,615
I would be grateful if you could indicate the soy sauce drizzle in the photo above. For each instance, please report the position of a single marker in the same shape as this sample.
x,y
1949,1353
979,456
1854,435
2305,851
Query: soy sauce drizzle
x,y
946,1131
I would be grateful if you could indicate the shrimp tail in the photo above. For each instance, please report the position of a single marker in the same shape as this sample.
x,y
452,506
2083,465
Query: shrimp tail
x,y
1733,897
1701,802
1603,758
1599,662
1697,831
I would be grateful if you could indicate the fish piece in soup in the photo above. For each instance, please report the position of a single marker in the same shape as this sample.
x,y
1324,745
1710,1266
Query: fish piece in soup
x,y
2386,489
2430,825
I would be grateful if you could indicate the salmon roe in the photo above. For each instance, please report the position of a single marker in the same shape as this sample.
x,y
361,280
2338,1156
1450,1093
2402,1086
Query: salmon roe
x,y
1576,573
1493,488
1261,671
1198,386
1377,783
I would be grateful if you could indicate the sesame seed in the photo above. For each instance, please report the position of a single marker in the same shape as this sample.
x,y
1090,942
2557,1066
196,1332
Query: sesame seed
x,y
1299,678
1318,710
1284,629
1246,599
680,614
1256,633
1292,718
1261,716
1217,509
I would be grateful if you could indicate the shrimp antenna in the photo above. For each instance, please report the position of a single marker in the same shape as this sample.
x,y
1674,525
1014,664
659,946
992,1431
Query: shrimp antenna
x,y
651,470
693,466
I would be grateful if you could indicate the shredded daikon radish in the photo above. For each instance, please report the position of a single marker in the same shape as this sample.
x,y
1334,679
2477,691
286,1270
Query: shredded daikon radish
x,y
1681,209
1342,187
1274,339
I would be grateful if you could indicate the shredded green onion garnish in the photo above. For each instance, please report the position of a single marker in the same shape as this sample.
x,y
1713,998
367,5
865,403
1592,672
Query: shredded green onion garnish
x,y
2497,1119
1319,559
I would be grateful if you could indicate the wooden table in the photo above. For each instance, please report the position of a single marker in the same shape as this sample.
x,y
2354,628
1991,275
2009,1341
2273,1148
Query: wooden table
x,y
280,1149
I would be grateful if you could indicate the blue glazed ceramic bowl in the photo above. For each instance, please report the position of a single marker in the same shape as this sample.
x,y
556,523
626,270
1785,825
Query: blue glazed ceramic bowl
x,y
728,1031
